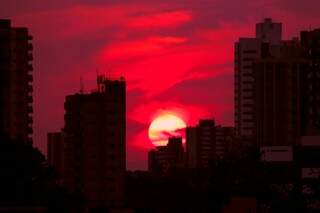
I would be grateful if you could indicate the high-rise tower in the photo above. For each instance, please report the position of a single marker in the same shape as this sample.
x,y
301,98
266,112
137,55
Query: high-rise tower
x,y
247,51
94,143
16,83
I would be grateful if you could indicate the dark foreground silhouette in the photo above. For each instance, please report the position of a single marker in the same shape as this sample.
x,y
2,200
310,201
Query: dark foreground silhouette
x,y
26,181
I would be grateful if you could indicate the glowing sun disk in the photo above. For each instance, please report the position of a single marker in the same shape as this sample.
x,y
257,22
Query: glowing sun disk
x,y
165,126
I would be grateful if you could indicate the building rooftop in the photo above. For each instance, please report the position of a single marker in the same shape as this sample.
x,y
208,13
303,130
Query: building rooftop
x,y
5,23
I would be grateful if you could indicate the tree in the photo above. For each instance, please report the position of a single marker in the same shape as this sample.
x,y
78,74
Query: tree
x,y
25,177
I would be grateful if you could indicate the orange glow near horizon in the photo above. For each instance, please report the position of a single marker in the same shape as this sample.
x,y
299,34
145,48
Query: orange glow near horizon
x,y
164,126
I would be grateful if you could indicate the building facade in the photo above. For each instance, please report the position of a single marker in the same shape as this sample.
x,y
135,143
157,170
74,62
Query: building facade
x,y
269,32
165,159
200,144
279,83
224,136
94,138
310,41
207,142
191,147
287,88
247,51
277,86
16,100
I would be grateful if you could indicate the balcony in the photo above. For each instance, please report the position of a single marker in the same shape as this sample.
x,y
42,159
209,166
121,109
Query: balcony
x,y
30,57
30,130
30,88
30,108
30,78
30,120
30,47
30,67
30,99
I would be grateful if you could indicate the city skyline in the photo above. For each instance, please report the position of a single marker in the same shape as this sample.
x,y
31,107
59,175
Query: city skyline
x,y
166,107
179,33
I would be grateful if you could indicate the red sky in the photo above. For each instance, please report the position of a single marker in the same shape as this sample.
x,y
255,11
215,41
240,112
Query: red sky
x,y
176,55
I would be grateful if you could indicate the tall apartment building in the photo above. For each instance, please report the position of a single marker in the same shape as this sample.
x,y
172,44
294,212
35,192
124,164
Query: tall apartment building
x,y
247,50
277,86
94,138
269,32
191,147
279,82
200,144
207,142
310,41
16,82
164,159
224,136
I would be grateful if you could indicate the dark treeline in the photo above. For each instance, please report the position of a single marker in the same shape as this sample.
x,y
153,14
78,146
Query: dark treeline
x,y
26,180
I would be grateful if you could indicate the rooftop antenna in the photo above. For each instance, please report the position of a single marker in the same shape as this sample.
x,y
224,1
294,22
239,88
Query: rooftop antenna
x,y
98,79
81,86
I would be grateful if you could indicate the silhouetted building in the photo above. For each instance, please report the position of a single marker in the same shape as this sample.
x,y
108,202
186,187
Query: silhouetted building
x,y
200,144
278,164
94,137
287,88
241,205
191,147
276,154
269,32
307,163
307,158
23,209
55,149
206,142
277,88
164,159
247,50
223,139
310,103
15,82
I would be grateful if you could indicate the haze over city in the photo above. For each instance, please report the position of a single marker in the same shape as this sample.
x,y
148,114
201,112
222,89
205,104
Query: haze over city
x,y
139,106
177,56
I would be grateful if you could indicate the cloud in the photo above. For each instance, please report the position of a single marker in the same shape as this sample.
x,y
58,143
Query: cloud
x,y
160,20
83,21
212,93
202,91
176,55
131,49
145,113
80,21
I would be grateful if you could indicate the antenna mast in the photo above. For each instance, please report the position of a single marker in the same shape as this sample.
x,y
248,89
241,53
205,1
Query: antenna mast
x,y
81,86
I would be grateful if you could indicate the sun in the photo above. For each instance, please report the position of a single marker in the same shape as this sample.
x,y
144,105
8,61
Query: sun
x,y
164,126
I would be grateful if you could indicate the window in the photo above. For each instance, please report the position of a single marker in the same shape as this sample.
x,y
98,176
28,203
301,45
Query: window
x,y
249,51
